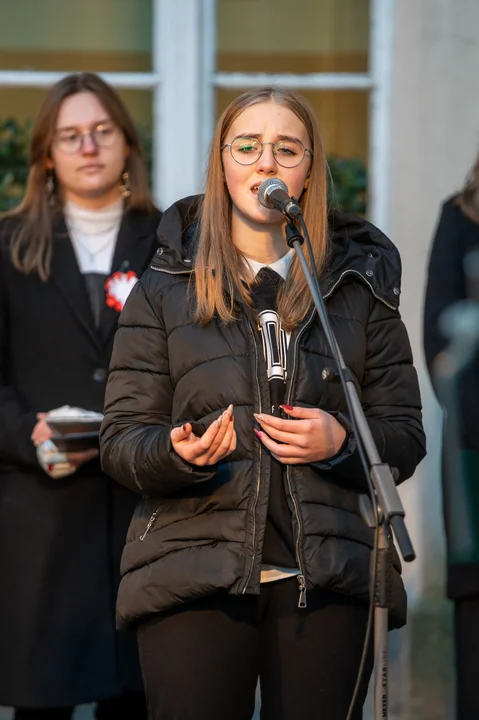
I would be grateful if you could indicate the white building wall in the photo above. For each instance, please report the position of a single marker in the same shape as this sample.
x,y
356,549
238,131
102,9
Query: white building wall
x,y
434,140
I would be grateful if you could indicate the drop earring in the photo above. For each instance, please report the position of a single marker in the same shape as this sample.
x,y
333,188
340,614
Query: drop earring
x,y
125,185
50,188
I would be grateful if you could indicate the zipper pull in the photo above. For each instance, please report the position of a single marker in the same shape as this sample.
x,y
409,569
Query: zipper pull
x,y
150,523
302,592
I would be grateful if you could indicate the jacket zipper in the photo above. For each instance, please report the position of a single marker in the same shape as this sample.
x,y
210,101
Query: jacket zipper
x,y
355,272
258,481
301,577
171,272
150,523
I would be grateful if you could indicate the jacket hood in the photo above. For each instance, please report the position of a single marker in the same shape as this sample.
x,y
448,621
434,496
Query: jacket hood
x,y
357,249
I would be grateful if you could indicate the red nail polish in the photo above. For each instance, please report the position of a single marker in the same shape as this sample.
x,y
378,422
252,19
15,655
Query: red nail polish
x,y
50,467
184,428
231,417
257,433
288,408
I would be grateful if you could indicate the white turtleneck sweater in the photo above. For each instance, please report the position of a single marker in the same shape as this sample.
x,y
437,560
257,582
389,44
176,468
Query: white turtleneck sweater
x,y
93,234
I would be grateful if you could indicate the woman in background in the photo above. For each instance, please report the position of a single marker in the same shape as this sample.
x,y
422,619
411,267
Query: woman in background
x,y
87,222
457,234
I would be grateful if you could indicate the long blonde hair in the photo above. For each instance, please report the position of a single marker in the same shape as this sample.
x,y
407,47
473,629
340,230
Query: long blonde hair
x,y
218,261
31,243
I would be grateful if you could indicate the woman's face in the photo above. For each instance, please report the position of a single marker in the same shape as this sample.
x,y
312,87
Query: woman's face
x,y
269,122
88,151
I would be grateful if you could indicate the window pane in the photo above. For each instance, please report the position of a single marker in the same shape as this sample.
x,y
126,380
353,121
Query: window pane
x,y
343,117
342,114
277,36
97,35
19,106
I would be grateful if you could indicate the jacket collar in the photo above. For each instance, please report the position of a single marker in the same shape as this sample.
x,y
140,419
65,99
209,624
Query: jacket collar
x,y
132,250
357,250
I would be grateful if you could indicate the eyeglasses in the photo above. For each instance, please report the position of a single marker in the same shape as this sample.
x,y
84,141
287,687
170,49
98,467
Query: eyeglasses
x,y
71,141
248,150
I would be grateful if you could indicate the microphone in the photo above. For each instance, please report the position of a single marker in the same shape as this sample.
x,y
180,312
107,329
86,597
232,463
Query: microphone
x,y
273,194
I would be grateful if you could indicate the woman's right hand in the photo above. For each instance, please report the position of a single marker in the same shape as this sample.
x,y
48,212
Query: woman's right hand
x,y
42,431
216,443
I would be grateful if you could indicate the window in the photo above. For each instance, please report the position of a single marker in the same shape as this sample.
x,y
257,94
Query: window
x,y
179,63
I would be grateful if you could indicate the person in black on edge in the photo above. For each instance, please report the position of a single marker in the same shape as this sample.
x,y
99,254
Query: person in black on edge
x,y
86,215
457,235
247,555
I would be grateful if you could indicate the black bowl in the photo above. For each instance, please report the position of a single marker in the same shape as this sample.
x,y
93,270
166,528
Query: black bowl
x,y
69,426
75,442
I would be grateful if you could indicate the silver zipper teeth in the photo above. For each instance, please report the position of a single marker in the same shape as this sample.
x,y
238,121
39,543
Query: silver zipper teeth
x,y
150,523
171,272
355,272
301,577
259,466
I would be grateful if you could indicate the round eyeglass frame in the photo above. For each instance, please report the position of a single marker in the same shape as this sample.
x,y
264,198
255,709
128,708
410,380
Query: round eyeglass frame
x,y
58,141
262,144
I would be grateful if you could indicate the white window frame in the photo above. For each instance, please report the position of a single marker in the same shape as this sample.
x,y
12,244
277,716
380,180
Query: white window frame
x,y
184,79
377,80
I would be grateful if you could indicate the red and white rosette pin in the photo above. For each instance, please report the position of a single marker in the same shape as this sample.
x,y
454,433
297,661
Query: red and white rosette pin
x,y
118,287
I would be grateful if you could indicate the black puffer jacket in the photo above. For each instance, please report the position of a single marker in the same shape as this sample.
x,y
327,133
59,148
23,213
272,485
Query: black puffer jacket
x,y
200,529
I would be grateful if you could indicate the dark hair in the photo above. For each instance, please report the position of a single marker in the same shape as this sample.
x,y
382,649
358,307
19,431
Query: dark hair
x,y
31,243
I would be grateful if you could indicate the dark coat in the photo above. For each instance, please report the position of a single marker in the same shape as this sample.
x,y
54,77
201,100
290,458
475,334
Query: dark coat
x,y
199,529
60,540
456,235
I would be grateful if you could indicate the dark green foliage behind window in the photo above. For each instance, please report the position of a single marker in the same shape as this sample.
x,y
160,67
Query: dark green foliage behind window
x,y
347,190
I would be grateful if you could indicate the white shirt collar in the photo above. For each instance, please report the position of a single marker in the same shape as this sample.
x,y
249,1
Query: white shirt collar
x,y
280,266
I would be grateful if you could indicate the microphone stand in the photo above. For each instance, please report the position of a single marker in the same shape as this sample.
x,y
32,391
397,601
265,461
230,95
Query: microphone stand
x,y
390,509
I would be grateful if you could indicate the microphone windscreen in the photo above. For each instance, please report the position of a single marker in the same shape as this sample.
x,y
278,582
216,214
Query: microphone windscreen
x,y
266,185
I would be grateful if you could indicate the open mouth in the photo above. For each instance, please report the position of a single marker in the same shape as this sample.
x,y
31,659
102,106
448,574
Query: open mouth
x,y
254,189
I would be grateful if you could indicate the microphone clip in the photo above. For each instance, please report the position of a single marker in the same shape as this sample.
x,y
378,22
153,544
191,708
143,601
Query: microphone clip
x,y
293,233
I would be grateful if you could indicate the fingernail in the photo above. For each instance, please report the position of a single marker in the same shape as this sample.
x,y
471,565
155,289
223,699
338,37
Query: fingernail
x,y
258,416
288,408
184,428
218,420
230,408
50,467
257,433
231,417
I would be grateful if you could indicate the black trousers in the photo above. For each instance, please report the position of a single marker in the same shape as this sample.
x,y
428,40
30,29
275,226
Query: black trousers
x,y
129,706
466,631
202,661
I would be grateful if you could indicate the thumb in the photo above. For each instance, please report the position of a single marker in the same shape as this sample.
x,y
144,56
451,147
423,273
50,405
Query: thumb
x,y
178,434
301,412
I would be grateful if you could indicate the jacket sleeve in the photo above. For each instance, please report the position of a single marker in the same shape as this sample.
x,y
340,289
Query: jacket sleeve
x,y
135,436
17,420
391,402
446,285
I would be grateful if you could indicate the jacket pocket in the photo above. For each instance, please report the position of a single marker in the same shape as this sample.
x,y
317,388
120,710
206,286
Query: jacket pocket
x,y
137,554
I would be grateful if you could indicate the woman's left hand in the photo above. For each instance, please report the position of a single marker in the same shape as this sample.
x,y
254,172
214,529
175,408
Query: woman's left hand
x,y
313,435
